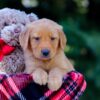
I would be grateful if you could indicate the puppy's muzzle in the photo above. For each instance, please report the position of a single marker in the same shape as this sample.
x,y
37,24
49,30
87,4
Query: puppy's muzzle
x,y
45,52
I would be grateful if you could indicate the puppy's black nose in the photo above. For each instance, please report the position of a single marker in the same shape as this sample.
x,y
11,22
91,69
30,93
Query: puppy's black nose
x,y
45,52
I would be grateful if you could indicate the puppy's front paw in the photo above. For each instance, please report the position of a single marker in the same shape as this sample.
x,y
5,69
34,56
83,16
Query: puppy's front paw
x,y
40,76
54,82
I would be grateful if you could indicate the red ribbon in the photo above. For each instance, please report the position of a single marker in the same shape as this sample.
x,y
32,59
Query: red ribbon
x,y
5,49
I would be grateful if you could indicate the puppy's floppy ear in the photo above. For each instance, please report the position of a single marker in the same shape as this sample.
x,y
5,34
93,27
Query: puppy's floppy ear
x,y
62,37
24,38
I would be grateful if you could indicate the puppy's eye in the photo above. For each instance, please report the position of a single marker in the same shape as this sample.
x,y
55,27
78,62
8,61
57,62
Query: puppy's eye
x,y
36,38
53,38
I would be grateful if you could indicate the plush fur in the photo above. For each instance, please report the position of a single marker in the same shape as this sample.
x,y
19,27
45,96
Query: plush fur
x,y
12,24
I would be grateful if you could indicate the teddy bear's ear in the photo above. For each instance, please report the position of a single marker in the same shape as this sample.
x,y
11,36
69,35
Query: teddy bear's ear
x,y
32,17
24,38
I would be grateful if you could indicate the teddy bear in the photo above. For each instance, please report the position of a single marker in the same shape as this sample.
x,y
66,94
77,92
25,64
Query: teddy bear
x,y
12,24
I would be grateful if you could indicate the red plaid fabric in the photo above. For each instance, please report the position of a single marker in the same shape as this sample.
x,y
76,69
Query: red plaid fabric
x,y
22,87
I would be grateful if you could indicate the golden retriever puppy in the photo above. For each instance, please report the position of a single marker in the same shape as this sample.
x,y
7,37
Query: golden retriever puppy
x,y
43,44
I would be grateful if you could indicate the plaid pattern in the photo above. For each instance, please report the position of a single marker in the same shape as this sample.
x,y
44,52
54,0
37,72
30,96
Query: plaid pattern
x,y
22,87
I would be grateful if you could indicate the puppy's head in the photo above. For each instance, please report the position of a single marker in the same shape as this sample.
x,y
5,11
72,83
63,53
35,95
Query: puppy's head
x,y
43,38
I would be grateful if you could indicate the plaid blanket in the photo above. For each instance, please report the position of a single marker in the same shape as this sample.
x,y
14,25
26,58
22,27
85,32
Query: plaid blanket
x,y
22,87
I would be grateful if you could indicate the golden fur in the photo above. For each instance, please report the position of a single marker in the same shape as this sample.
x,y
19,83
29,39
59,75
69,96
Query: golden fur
x,y
41,34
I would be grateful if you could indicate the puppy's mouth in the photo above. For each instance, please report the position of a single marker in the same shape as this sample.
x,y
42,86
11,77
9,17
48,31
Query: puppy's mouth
x,y
45,58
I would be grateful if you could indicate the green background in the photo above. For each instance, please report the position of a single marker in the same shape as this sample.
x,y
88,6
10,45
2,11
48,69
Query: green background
x,y
81,22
